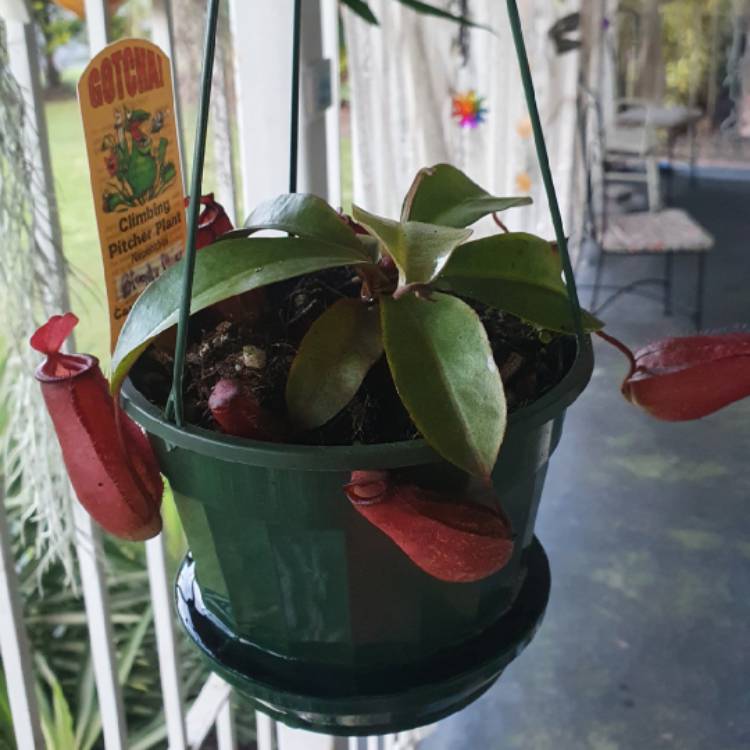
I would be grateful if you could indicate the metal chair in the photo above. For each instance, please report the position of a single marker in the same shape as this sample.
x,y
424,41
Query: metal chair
x,y
664,232
630,149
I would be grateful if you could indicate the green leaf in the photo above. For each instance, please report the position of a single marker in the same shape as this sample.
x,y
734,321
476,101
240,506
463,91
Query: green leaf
x,y
446,376
134,643
362,9
431,10
518,273
302,215
419,250
6,719
56,719
445,195
333,359
87,723
222,270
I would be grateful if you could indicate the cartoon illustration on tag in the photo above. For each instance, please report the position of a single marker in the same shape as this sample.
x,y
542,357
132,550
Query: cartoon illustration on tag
x,y
136,160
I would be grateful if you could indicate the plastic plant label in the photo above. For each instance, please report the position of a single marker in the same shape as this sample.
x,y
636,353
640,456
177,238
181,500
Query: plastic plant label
x,y
127,104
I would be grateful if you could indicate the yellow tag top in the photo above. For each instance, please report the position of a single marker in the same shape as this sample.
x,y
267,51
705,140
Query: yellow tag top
x,y
127,105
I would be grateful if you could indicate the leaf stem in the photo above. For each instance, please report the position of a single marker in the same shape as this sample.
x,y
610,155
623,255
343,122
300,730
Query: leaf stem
x,y
622,347
497,221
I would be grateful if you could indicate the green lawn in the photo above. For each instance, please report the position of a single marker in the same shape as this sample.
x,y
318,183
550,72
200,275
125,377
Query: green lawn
x,y
80,239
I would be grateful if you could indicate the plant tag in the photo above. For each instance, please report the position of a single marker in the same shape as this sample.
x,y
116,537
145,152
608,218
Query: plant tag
x,y
127,104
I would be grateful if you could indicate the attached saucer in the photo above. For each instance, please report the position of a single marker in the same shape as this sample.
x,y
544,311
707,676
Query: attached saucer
x,y
340,701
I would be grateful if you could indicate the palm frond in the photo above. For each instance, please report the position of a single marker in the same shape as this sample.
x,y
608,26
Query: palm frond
x,y
431,10
32,279
363,10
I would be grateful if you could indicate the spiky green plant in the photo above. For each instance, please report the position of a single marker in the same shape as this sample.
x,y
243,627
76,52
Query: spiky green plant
x,y
32,281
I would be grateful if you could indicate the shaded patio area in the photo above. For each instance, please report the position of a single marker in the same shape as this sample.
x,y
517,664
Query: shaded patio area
x,y
645,642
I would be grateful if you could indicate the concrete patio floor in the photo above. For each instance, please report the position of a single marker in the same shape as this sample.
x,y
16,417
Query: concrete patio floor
x,y
646,641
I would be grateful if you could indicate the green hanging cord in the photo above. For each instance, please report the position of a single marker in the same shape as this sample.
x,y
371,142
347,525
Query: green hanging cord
x,y
543,157
174,408
294,136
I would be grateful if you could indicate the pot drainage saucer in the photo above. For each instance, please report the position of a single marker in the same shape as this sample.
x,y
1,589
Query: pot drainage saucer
x,y
349,701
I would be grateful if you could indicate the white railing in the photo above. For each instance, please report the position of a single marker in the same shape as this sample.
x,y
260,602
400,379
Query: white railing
x,y
266,28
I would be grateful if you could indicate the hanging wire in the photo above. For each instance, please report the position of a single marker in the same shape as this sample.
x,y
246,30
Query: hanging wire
x,y
294,136
543,157
174,408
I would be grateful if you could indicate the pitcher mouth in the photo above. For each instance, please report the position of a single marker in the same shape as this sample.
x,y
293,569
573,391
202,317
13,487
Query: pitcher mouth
x,y
347,457
60,367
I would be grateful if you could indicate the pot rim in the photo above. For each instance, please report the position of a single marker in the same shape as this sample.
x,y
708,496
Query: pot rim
x,y
345,457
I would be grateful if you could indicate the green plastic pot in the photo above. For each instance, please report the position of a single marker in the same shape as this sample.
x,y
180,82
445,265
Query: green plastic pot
x,y
316,615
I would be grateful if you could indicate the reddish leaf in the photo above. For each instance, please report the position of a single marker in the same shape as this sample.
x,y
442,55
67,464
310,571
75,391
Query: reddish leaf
x,y
358,228
50,337
457,541
236,410
109,460
686,378
212,221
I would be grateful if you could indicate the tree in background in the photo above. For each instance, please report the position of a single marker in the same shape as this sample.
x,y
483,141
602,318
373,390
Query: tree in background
x,y
57,28
694,40
697,34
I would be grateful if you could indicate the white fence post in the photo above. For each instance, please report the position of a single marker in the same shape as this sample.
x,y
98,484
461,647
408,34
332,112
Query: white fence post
x,y
14,648
226,735
162,29
169,671
298,739
329,10
221,120
263,74
97,25
212,698
90,555
265,731
265,30
96,600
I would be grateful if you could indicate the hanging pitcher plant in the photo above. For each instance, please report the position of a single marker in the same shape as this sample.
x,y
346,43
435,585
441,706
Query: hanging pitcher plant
x,y
355,416
420,278
412,313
